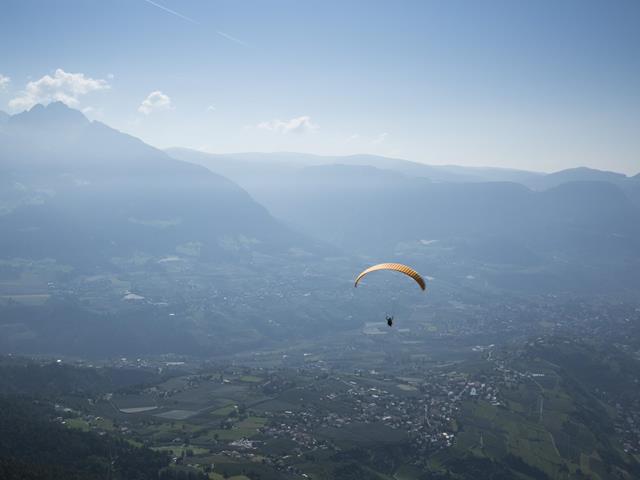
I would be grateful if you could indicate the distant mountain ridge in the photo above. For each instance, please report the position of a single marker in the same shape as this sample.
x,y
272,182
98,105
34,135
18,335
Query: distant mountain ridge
x,y
149,253
437,173
578,174
574,225
253,169
229,163
583,174
83,192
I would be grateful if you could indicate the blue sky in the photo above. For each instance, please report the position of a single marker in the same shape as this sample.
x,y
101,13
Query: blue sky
x,y
541,85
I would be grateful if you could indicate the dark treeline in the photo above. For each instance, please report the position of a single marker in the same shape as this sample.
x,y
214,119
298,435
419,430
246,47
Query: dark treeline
x,y
25,377
35,446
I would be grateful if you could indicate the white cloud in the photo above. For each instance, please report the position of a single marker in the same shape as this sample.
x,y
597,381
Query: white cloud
x,y
4,82
295,125
380,138
211,108
62,86
155,102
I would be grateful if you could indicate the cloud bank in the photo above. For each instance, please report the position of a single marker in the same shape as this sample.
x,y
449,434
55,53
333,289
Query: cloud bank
x,y
61,87
4,82
295,125
380,138
155,102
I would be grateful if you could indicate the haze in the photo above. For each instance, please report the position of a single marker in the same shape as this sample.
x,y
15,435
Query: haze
x,y
190,193
540,86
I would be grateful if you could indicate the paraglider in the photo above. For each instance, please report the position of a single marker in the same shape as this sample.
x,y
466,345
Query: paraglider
x,y
397,267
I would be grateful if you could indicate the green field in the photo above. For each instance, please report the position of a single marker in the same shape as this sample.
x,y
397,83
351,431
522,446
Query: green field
x,y
27,299
224,411
78,424
533,432
179,450
246,428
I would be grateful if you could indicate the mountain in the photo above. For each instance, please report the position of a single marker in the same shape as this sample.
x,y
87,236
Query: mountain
x,y
386,205
257,171
628,185
573,234
493,174
580,174
237,166
83,193
111,247
632,189
37,444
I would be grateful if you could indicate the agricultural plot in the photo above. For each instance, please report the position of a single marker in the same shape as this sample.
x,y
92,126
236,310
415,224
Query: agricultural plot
x,y
496,433
177,414
276,405
78,424
537,424
134,401
179,450
363,433
34,299
84,425
406,388
213,395
138,409
393,387
246,428
229,407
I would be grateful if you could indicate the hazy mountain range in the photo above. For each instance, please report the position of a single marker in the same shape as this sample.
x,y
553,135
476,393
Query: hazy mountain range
x,y
249,165
82,192
578,220
243,248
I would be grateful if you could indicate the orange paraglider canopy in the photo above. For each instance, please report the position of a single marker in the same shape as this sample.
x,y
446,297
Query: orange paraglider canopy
x,y
397,267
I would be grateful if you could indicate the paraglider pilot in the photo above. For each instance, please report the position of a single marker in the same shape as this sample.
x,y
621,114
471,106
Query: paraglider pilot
x,y
398,267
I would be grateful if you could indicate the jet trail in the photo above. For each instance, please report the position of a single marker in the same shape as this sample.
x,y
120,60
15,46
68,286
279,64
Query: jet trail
x,y
172,12
233,39
191,20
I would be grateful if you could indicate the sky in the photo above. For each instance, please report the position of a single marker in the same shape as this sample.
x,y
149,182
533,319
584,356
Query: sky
x,y
540,85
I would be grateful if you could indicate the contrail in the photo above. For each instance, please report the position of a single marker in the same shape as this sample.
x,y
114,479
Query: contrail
x,y
191,20
233,39
172,12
